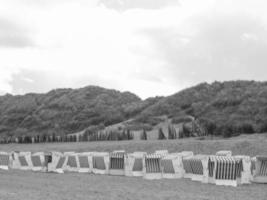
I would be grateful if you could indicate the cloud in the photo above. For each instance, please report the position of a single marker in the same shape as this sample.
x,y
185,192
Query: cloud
x,y
5,78
220,47
123,5
41,81
14,35
47,3
147,48
27,81
83,51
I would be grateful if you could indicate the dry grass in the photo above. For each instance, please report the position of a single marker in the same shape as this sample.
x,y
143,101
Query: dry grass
x,y
20,185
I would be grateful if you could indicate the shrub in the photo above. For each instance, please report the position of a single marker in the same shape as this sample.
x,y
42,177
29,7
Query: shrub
x,y
186,130
185,106
245,128
143,135
147,119
161,135
129,135
171,133
263,128
227,131
222,103
181,119
209,125
136,126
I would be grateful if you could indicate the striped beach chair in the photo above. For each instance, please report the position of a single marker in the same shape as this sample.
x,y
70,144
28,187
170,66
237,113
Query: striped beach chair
x,y
227,170
246,174
21,160
186,153
152,166
100,162
188,171
253,165
172,166
195,167
40,161
260,173
85,162
161,152
58,162
224,153
210,177
4,160
72,163
117,163
134,164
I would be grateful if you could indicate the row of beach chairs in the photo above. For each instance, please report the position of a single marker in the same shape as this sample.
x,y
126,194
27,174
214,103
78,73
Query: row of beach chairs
x,y
221,169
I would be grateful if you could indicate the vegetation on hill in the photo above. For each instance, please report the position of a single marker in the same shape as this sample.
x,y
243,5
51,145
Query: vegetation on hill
x,y
62,111
220,108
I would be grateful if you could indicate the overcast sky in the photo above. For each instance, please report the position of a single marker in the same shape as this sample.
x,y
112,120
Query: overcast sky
x,y
149,47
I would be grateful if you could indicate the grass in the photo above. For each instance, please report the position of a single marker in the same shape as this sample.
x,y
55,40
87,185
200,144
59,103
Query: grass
x,y
19,185
251,145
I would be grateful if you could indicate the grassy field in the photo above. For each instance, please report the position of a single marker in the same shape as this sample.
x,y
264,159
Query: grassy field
x,y
245,144
20,185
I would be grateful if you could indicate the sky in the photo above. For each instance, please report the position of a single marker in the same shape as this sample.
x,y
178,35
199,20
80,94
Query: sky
x,y
148,47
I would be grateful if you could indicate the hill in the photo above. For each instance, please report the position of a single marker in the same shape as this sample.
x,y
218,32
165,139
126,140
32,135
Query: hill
x,y
226,108
221,108
62,110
